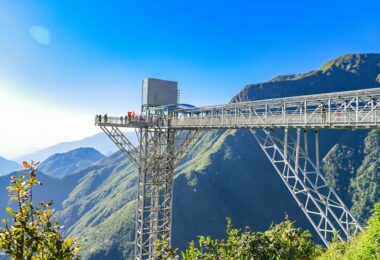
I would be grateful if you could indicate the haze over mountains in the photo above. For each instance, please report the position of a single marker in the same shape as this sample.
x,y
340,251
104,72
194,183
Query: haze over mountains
x,y
100,142
7,166
226,174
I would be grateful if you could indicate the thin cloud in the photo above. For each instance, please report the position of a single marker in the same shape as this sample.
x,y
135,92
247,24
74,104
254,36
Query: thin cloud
x,y
40,34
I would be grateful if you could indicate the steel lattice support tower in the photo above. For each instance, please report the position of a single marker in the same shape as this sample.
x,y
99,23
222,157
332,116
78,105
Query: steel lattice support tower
x,y
155,184
159,151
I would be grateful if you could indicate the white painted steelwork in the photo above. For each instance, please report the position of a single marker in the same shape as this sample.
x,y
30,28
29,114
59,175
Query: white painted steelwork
x,y
166,134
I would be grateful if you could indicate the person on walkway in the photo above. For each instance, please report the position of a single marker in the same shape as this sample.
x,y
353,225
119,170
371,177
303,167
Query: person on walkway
x,y
129,116
105,118
133,116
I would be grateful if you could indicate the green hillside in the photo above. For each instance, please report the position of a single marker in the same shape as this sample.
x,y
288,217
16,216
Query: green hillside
x,y
348,72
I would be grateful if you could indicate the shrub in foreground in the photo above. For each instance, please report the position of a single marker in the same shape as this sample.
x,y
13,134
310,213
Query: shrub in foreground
x,y
33,233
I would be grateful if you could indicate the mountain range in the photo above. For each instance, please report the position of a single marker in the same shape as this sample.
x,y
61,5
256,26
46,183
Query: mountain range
x,y
225,175
63,164
7,166
99,141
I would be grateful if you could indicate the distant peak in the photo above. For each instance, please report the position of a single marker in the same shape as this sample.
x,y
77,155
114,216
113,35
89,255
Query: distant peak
x,y
352,62
347,72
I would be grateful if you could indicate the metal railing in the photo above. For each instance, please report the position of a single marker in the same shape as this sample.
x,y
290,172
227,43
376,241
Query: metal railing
x,y
365,118
352,109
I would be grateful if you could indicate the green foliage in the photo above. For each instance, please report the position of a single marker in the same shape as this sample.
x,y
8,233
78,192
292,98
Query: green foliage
x,y
366,186
163,250
352,167
33,233
340,166
282,241
366,245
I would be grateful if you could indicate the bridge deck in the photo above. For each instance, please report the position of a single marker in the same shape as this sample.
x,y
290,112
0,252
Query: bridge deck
x,y
350,110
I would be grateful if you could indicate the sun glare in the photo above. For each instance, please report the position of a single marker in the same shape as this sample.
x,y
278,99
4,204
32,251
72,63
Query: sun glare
x,y
27,125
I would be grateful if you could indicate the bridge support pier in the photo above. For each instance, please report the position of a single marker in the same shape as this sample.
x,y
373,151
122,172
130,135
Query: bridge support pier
x,y
320,203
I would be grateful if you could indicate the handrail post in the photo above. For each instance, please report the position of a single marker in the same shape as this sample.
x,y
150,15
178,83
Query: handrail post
x,y
235,116
222,115
329,110
211,121
374,111
305,112
201,116
345,111
357,110
250,115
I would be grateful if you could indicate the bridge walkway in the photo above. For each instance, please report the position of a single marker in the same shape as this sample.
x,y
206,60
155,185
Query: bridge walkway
x,y
347,110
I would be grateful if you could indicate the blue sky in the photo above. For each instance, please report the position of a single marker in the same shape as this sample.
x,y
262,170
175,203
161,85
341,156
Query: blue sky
x,y
64,61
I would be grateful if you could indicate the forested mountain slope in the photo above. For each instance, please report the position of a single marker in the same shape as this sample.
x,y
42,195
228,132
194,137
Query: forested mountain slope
x,y
63,164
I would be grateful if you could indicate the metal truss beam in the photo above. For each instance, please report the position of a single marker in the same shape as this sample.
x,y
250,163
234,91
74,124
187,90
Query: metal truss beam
x,y
320,203
351,109
122,142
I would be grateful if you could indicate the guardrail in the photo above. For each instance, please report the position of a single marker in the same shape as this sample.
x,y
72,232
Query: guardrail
x,y
364,118
352,109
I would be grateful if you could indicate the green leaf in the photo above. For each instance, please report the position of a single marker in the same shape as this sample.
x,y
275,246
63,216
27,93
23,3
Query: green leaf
x,y
10,211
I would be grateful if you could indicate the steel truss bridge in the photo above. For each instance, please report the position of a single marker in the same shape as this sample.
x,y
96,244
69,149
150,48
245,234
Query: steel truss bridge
x,y
281,128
